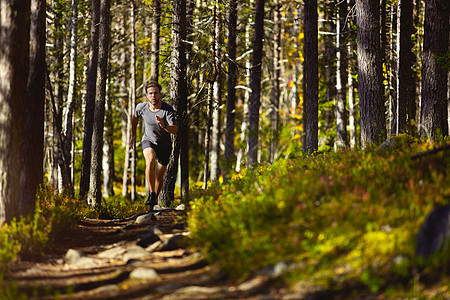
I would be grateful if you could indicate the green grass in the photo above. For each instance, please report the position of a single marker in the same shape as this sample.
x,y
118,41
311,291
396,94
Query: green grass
x,y
347,218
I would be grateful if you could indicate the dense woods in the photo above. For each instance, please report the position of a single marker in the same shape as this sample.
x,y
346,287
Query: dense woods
x,y
252,81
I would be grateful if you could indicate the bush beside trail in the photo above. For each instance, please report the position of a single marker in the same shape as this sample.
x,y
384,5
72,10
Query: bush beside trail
x,y
340,219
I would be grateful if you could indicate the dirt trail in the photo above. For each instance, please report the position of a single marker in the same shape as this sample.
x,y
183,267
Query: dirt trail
x,y
120,259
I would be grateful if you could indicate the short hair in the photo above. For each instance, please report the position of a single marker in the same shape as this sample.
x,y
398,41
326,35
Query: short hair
x,y
152,83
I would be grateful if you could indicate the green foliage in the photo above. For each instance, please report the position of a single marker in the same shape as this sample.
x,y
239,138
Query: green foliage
x,y
350,215
119,207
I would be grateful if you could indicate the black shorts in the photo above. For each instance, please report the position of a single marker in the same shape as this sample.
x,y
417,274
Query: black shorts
x,y
162,153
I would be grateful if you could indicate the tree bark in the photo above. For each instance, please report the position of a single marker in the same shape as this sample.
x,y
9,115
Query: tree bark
x,y
217,101
70,106
156,24
392,86
95,183
433,115
130,154
132,97
341,78
90,100
240,160
108,148
60,177
256,74
208,136
178,98
14,38
231,90
275,95
372,110
33,143
311,79
405,80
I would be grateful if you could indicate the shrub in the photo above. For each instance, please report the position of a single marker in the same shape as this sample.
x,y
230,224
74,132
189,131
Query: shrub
x,y
346,215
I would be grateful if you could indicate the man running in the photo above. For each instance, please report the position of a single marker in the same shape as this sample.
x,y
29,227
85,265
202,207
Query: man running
x,y
160,122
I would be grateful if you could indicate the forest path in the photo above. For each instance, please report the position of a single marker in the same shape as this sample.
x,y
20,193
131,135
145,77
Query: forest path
x,y
121,259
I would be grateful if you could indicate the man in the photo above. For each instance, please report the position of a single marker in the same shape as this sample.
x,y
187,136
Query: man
x,y
160,122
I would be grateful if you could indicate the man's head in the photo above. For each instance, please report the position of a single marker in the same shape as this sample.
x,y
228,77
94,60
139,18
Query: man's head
x,y
153,92
152,83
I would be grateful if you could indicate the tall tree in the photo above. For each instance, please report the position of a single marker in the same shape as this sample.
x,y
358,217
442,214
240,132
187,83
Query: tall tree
x,y
33,141
132,98
405,80
329,61
58,177
433,115
373,122
14,59
231,86
275,95
310,79
393,72
95,183
255,85
341,76
130,154
178,98
90,100
217,97
156,25
206,169
351,82
71,96
240,159
108,147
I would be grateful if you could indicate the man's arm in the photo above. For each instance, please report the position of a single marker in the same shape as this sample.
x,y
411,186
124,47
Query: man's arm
x,y
173,129
134,122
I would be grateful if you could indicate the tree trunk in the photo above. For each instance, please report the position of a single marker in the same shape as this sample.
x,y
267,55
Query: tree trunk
x,y
108,148
123,83
69,108
90,100
311,79
433,115
330,69
208,135
405,80
393,103
156,24
341,76
33,142
240,160
14,38
95,183
132,98
217,101
231,91
351,89
256,74
275,95
59,178
126,164
373,122
178,97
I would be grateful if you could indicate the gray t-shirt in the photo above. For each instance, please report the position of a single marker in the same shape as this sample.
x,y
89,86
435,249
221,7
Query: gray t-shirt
x,y
153,132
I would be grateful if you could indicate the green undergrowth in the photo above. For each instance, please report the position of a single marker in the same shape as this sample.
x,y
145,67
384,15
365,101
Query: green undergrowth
x,y
341,219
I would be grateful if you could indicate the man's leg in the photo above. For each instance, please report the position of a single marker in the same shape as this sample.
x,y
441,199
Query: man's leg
x,y
150,157
160,170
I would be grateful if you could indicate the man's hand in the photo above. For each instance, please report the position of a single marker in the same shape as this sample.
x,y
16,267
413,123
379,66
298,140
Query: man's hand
x,y
160,121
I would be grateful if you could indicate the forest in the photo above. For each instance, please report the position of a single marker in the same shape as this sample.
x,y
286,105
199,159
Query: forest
x,y
256,86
